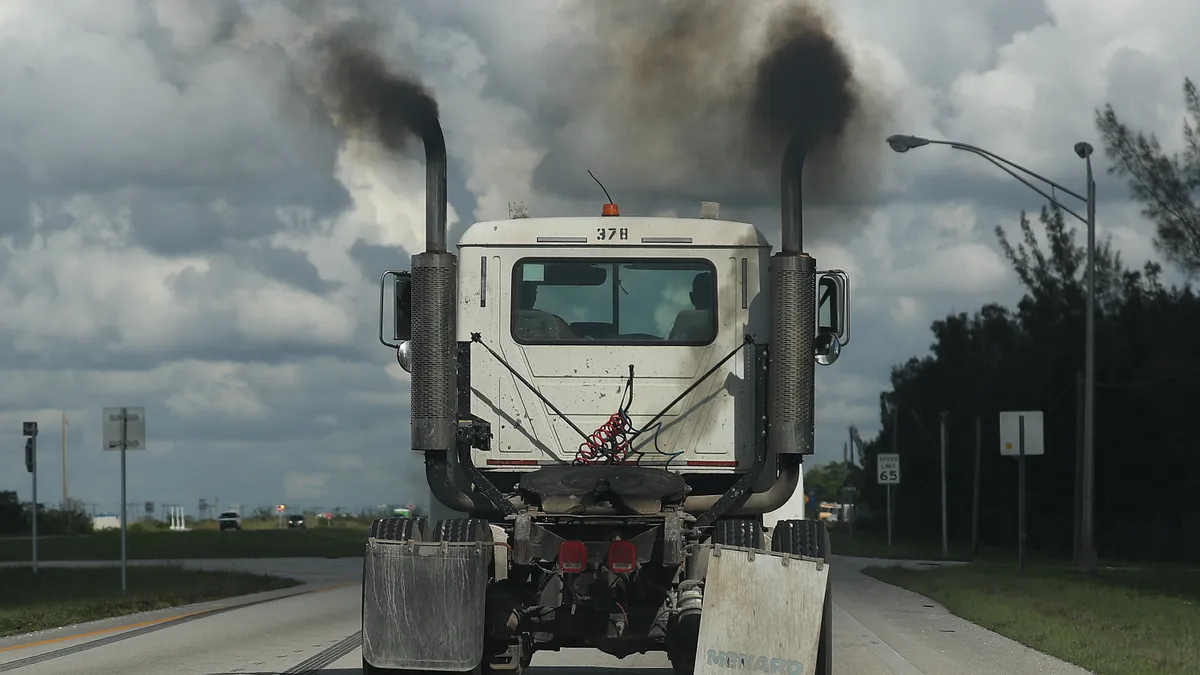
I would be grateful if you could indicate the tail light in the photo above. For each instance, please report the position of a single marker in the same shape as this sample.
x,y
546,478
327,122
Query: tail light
x,y
622,556
572,556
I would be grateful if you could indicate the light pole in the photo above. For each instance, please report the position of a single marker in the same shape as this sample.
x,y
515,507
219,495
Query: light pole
x,y
904,143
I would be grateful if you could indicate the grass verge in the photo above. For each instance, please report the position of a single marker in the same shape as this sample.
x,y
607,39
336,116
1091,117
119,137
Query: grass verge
x,y
168,545
874,545
1125,622
57,597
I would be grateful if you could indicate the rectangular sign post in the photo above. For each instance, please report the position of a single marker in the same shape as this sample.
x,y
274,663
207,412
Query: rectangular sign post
x,y
1021,435
889,475
124,429
30,429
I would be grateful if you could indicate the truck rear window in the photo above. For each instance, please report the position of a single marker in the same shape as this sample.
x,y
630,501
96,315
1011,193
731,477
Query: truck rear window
x,y
586,301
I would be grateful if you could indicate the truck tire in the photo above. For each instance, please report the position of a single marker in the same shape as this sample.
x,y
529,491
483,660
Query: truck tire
x,y
810,538
468,530
462,530
392,529
398,529
741,532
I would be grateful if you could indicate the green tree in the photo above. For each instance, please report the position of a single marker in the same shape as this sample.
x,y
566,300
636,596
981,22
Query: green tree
x,y
1166,185
826,481
1029,358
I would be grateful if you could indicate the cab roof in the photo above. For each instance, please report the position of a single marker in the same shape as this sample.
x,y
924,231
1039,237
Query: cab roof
x,y
615,231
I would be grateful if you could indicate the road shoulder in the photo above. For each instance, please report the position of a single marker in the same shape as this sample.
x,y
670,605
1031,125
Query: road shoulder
x,y
315,575
920,632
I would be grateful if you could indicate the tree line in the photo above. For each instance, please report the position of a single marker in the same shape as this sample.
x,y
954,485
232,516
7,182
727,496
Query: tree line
x,y
1031,357
16,517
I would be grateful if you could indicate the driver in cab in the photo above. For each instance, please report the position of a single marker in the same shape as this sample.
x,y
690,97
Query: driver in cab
x,y
537,324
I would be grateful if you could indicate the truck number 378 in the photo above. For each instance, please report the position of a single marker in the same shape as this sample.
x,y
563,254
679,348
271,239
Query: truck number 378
x,y
612,233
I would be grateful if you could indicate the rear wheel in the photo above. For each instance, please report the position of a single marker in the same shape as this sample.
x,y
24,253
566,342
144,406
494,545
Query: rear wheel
x,y
743,532
393,529
398,529
500,657
810,538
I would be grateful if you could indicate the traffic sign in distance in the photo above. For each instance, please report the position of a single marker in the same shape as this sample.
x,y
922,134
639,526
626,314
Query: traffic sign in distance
x,y
1010,431
888,469
280,508
135,428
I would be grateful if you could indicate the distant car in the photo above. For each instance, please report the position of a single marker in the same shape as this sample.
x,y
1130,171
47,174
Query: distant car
x,y
229,520
296,521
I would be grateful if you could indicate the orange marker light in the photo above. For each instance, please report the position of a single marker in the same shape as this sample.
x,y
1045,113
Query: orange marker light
x,y
610,210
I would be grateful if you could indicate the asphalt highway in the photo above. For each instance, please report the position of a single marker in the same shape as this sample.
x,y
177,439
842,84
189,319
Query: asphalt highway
x,y
315,628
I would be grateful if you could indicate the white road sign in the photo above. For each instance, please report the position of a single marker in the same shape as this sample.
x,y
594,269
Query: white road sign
x,y
889,469
135,428
1010,429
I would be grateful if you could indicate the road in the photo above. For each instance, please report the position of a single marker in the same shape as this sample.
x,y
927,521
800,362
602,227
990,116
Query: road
x,y
314,628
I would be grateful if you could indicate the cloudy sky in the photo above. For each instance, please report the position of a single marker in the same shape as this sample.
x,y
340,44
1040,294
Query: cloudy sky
x,y
182,228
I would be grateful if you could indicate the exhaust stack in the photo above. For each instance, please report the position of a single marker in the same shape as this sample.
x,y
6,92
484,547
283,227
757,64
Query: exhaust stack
x,y
793,278
434,385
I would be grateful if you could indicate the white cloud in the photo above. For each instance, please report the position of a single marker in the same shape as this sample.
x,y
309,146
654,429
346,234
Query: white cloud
x,y
178,229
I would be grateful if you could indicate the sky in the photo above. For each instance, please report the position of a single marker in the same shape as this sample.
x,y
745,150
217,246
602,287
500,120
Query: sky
x,y
183,227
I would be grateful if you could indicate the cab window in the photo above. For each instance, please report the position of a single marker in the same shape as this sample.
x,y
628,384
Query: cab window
x,y
631,301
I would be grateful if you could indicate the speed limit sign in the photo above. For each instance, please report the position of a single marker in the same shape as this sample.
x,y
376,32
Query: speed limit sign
x,y
888,469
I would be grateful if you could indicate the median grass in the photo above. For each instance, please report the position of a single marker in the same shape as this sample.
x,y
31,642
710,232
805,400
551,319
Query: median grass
x,y
55,597
168,545
1139,621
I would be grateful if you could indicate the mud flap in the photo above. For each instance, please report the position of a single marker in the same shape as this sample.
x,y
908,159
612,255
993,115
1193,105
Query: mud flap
x,y
762,612
423,604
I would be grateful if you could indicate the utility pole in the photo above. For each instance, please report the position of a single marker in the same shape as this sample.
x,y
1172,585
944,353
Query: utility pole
x,y
945,532
895,451
66,498
975,492
1077,547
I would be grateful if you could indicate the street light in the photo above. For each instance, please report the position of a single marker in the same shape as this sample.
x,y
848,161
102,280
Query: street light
x,y
904,143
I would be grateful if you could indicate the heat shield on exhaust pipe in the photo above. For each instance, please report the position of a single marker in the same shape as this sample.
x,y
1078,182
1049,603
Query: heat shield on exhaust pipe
x,y
793,278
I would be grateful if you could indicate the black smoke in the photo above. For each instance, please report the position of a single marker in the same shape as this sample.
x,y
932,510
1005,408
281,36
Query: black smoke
x,y
366,96
687,99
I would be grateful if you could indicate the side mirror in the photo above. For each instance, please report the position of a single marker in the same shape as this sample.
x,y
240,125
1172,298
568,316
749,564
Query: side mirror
x,y
404,356
833,315
826,348
402,308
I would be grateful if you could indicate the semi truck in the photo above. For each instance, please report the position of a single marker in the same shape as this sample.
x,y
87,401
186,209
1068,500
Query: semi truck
x,y
607,406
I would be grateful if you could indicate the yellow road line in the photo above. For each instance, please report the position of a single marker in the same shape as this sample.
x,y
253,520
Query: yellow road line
x,y
143,624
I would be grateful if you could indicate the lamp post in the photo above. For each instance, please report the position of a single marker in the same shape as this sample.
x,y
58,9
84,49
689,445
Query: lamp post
x,y
904,143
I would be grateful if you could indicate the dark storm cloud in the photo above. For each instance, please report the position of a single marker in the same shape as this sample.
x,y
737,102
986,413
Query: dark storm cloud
x,y
186,221
374,259
284,265
14,195
101,350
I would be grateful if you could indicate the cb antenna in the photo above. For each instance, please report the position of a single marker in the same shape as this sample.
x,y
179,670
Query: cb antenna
x,y
606,195
610,209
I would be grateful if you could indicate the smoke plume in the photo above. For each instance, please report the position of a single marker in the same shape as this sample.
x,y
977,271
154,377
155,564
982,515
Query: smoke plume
x,y
700,97
367,98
